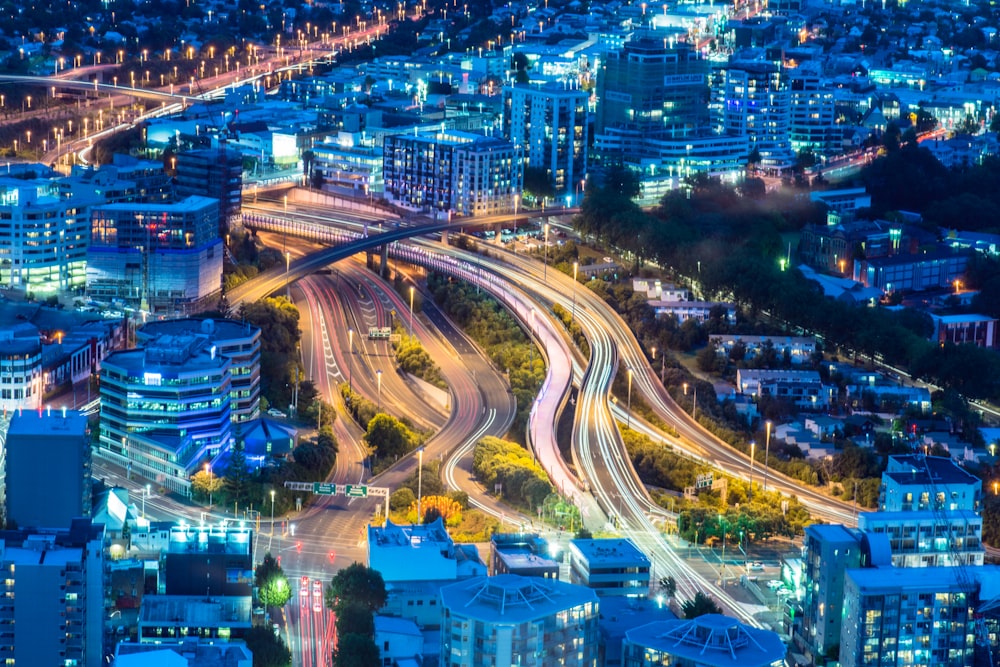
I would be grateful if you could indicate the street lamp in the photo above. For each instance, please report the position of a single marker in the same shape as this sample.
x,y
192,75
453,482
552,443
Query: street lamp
x,y
379,374
753,450
145,493
288,260
722,565
767,449
572,317
628,414
545,271
272,514
420,482
208,469
350,362
411,311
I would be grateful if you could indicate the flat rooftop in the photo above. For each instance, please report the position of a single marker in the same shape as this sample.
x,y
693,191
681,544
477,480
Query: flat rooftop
x,y
610,552
48,424
920,469
196,610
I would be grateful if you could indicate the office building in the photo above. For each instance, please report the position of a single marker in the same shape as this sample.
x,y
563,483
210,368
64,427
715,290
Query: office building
x,y
20,367
754,100
160,258
52,596
187,652
499,620
610,566
165,408
47,469
550,122
43,238
452,172
420,552
653,114
812,122
239,341
528,555
214,173
208,559
712,640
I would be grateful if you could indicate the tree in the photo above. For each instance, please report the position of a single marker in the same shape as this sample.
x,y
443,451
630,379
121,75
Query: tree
x,y
446,508
205,484
356,651
356,584
700,605
353,619
268,650
538,183
387,436
237,481
272,584
669,586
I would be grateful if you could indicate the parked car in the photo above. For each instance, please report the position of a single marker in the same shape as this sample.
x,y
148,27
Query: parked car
x,y
275,412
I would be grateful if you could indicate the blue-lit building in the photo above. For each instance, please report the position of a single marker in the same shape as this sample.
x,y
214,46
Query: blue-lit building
x,y
610,566
510,620
166,408
712,640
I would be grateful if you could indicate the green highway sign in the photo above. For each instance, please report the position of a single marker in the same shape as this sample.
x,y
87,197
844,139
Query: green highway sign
x,y
356,491
324,489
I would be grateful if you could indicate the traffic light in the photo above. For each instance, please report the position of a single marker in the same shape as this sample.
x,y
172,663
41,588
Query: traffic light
x,y
298,547
332,555
279,561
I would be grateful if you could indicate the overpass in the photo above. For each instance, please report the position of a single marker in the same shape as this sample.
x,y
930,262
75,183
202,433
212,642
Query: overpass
x,y
348,244
75,84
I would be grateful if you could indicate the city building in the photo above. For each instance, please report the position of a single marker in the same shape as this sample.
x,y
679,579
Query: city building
x,y
936,269
699,311
618,616
52,595
805,389
208,559
712,640
239,341
43,238
399,640
215,173
610,566
47,470
420,552
342,166
499,620
452,172
972,329
171,618
830,551
165,408
812,122
550,121
928,538
528,555
796,349
160,258
755,102
20,367
187,652
917,483
653,114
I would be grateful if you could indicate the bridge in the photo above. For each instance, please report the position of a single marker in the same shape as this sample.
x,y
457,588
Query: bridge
x,y
348,245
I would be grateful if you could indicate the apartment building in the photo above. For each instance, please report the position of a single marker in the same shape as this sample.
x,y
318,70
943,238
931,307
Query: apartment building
x,y
609,566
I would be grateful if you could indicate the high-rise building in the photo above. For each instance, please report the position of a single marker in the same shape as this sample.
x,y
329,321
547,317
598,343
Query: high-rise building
x,y
240,341
653,114
48,469
452,172
212,560
916,483
166,408
812,125
830,551
43,237
163,257
550,122
20,367
215,173
754,100
507,619
52,596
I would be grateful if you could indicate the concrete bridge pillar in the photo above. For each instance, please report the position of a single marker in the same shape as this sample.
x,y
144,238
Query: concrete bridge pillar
x,y
498,232
444,237
384,261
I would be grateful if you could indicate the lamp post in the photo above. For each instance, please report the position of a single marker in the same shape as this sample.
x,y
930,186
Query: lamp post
x,y
350,361
144,494
288,261
272,512
208,469
420,482
628,414
767,449
722,565
379,374
411,311
545,270
753,450
572,317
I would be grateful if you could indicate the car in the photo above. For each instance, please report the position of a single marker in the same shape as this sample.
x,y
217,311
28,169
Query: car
x,y
275,412
317,607
756,566
774,584
318,589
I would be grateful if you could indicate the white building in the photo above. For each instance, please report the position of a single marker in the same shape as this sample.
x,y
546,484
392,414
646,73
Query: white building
x,y
803,388
812,123
756,103
610,566
43,237
550,121
712,640
488,621
20,367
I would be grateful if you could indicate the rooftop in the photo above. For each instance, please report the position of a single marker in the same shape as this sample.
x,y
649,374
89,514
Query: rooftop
x,y
831,532
221,331
512,598
195,610
189,653
608,552
877,580
920,469
47,423
712,639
